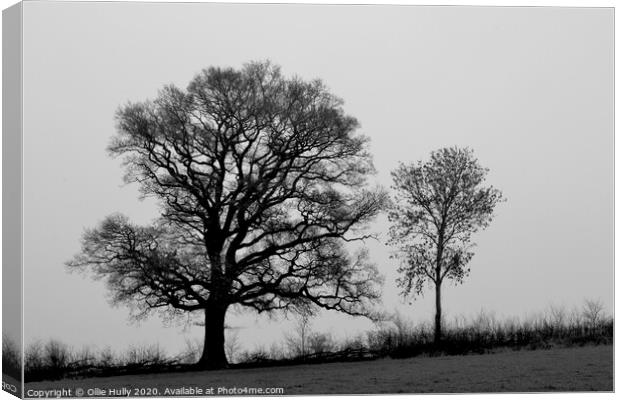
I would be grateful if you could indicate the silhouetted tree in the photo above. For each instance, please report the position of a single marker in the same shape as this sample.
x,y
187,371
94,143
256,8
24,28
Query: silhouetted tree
x,y
297,340
593,312
439,204
261,181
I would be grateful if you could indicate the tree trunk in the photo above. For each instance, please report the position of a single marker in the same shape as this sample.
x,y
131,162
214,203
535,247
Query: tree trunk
x,y
213,354
437,313
438,279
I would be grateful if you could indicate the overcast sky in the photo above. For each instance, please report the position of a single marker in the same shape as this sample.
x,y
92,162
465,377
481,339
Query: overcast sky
x,y
529,89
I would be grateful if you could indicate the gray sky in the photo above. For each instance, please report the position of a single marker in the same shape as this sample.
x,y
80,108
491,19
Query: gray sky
x,y
529,89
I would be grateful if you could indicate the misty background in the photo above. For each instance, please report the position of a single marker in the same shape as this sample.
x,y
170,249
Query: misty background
x,y
529,89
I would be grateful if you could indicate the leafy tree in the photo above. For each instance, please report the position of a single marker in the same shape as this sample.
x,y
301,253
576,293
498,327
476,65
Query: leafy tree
x,y
439,204
261,180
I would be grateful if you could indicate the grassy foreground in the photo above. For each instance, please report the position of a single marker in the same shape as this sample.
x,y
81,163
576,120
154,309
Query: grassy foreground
x,y
588,368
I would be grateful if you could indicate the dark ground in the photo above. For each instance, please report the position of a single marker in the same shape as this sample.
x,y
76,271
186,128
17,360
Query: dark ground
x,y
588,368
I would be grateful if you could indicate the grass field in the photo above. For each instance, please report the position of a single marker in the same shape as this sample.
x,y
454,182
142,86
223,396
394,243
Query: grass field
x,y
588,368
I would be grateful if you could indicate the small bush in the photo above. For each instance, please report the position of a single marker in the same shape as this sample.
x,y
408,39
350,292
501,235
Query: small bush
x,y
258,355
107,358
56,355
144,355
55,360
320,343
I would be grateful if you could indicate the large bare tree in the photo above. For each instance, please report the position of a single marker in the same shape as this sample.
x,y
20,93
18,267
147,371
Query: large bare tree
x,y
261,179
439,204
